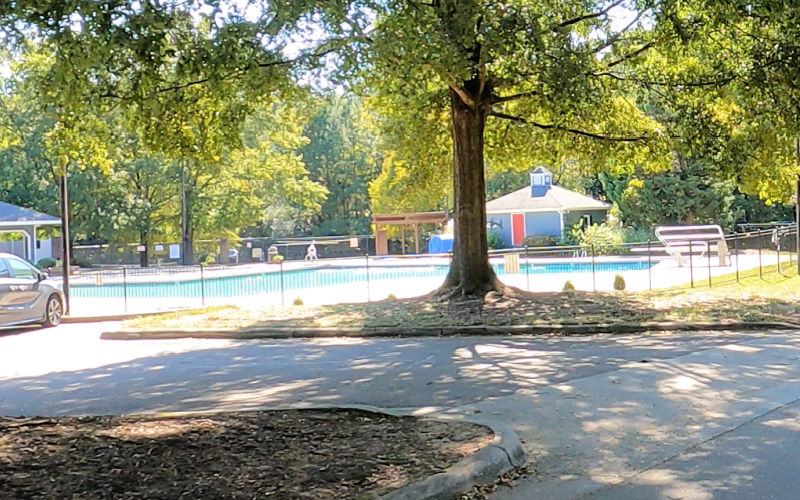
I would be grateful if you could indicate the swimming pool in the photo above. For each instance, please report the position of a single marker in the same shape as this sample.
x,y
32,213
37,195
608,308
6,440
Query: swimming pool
x,y
275,282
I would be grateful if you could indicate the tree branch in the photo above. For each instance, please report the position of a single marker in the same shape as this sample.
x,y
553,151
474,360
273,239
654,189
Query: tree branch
x,y
616,36
553,126
465,97
586,17
656,83
234,73
630,56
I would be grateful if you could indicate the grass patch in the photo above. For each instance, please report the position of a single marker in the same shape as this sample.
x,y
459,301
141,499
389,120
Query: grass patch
x,y
772,297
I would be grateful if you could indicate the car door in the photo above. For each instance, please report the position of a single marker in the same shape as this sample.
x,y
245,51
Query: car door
x,y
24,301
5,292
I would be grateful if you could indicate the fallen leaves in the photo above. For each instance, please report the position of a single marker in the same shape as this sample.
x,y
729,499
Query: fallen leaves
x,y
283,454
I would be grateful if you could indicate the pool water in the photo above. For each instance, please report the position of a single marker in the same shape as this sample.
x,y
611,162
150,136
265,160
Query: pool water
x,y
274,282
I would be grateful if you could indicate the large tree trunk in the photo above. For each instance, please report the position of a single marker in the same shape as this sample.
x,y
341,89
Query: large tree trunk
x,y
470,273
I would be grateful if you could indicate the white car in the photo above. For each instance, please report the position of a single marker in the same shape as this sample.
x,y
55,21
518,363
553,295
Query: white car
x,y
27,295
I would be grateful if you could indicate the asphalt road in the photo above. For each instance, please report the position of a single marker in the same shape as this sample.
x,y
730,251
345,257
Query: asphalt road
x,y
659,416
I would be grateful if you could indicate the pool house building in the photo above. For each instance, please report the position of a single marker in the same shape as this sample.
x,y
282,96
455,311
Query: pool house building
x,y
541,209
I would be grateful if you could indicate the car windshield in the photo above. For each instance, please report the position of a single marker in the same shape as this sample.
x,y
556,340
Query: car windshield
x,y
4,273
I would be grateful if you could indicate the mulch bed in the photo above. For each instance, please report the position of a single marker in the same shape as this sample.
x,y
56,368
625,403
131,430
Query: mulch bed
x,y
275,454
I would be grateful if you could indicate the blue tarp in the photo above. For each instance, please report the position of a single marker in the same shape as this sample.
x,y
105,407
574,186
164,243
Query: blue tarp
x,y
440,243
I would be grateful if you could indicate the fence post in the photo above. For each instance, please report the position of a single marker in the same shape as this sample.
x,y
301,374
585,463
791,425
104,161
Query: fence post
x,y
594,282
527,269
125,287
281,272
691,265
708,260
202,287
649,266
760,273
366,256
778,250
736,251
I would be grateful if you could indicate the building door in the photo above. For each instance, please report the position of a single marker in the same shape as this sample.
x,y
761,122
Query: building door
x,y
517,228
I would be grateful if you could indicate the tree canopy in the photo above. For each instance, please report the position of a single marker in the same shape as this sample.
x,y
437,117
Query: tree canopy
x,y
460,87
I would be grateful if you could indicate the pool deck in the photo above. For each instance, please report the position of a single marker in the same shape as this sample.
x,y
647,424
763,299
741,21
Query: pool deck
x,y
664,273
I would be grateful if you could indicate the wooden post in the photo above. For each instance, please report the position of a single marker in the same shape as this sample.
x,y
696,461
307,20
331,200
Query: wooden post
x,y
403,239
416,238
381,244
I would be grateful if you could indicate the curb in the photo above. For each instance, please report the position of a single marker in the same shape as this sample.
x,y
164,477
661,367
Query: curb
x,y
448,331
501,455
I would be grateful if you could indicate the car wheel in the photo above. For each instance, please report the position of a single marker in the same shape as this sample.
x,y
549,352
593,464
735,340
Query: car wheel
x,y
53,311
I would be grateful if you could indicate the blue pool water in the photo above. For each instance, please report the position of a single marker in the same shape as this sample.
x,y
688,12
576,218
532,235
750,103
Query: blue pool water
x,y
272,282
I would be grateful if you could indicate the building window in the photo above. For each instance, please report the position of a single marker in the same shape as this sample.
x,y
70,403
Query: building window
x,y
586,220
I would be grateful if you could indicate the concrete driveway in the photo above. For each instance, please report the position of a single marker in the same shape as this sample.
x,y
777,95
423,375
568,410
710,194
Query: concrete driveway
x,y
695,415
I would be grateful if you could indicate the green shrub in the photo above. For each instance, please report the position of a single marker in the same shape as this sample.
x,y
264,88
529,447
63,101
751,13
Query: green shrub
x,y
572,237
568,287
494,240
540,240
46,262
619,282
391,297
607,239
81,263
639,235
204,257
298,301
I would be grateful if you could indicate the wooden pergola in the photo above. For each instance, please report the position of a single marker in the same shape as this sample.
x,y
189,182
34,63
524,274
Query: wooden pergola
x,y
403,220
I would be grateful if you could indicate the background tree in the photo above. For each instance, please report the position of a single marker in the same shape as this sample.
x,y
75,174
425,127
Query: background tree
x,y
265,175
342,154
685,195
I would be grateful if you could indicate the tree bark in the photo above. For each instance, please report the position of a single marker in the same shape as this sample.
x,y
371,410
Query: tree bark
x,y
144,258
470,273
187,231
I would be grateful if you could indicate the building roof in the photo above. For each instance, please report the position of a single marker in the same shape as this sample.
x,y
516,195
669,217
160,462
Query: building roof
x,y
541,170
556,199
12,215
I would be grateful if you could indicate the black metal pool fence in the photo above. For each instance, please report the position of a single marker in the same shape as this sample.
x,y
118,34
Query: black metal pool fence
x,y
129,288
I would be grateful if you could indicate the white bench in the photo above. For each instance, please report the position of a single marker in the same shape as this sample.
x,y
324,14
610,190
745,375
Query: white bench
x,y
683,241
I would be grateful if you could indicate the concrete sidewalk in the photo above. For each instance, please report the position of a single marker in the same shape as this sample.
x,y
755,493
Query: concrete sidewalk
x,y
620,428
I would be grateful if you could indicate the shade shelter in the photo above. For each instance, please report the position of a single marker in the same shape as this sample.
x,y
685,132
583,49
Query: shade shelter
x,y
14,219
412,219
